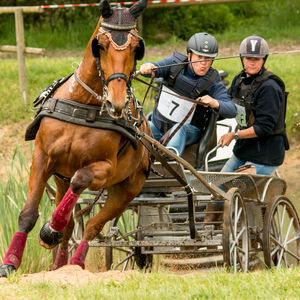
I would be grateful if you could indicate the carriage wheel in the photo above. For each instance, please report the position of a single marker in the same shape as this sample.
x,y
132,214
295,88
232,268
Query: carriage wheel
x,y
235,233
125,258
281,234
77,234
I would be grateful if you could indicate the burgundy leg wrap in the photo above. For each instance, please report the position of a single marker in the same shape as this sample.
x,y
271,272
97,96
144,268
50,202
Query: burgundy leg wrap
x,y
61,259
80,254
63,211
15,251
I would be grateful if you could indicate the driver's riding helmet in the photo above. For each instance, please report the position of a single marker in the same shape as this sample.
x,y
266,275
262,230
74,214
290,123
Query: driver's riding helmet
x,y
203,43
254,46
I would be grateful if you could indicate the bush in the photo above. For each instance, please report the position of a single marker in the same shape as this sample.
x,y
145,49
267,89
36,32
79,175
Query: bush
x,y
161,24
273,19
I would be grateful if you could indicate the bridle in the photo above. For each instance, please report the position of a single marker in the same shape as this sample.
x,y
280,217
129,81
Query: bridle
x,y
115,76
108,34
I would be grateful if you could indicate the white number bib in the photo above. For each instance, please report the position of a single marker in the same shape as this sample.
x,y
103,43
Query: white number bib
x,y
241,115
173,107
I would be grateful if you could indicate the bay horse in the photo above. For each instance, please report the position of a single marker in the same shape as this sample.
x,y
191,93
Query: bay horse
x,y
80,156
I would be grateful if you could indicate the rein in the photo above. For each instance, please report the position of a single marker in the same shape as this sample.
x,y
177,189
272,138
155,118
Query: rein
x,y
196,61
221,58
173,94
166,137
119,76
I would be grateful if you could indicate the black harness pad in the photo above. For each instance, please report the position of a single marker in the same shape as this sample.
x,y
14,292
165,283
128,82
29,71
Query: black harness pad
x,y
80,114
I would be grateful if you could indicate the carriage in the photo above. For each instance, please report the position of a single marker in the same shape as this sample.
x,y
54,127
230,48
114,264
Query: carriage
x,y
255,225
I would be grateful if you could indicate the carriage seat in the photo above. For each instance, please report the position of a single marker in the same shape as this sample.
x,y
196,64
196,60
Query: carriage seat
x,y
195,154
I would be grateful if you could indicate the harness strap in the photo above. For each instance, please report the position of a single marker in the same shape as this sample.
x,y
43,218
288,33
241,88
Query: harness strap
x,y
166,137
196,92
65,179
149,86
85,86
49,90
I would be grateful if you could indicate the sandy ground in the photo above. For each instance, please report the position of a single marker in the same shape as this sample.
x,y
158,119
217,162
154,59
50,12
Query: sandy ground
x,y
73,275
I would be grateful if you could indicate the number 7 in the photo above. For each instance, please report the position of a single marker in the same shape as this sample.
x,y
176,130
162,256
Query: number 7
x,y
176,105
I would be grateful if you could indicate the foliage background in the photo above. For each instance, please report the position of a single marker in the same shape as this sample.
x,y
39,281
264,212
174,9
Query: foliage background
x,y
278,21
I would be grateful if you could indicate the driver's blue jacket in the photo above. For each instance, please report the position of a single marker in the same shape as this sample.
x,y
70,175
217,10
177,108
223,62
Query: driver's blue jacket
x,y
185,82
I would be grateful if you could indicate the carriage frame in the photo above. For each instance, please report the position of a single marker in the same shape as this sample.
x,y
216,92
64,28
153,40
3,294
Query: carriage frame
x,y
257,222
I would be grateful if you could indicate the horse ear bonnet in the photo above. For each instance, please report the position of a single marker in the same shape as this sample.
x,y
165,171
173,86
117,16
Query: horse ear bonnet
x,y
138,8
119,21
105,9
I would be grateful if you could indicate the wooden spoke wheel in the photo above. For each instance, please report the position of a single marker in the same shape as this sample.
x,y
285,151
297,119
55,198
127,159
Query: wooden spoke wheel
x,y
281,234
126,258
235,233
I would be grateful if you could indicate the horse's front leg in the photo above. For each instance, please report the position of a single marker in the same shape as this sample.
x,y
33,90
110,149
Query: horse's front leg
x,y
118,199
28,215
61,255
51,233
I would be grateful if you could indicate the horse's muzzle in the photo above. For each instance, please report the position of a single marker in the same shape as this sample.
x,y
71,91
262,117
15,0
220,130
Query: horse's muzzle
x,y
116,112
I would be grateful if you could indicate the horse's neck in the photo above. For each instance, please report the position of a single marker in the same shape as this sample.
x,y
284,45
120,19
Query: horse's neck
x,y
88,73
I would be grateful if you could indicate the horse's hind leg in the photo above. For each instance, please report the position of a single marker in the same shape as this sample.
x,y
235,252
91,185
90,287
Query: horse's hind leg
x,y
28,215
62,254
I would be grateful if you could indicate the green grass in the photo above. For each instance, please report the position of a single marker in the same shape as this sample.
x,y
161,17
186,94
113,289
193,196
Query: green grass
x,y
284,284
13,191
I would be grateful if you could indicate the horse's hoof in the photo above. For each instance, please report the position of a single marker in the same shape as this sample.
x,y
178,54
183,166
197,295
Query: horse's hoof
x,y
6,270
49,238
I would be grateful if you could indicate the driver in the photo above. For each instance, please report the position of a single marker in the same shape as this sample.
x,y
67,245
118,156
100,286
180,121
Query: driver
x,y
197,81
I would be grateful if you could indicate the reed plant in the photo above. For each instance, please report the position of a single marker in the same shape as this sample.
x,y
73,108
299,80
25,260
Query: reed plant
x,y
13,191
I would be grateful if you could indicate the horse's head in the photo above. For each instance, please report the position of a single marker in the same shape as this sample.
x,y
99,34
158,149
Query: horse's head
x,y
116,47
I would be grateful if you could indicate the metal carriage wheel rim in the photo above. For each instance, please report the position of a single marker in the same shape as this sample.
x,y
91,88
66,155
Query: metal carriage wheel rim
x,y
281,234
235,233
78,230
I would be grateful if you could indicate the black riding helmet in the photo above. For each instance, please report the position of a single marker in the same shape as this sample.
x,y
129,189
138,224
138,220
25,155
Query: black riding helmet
x,y
203,43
